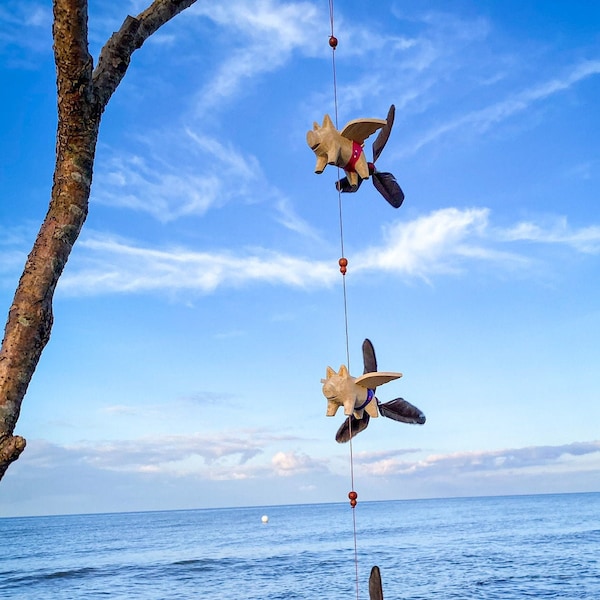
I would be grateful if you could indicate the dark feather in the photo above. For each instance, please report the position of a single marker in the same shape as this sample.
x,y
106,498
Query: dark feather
x,y
384,134
388,187
343,185
401,410
351,427
375,589
369,360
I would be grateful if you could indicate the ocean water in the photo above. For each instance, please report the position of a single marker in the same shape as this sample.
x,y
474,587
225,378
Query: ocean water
x,y
509,548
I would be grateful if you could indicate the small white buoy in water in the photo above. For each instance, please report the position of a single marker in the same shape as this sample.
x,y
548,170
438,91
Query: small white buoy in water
x,y
264,519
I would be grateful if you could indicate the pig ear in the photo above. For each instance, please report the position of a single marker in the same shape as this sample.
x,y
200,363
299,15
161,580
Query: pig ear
x,y
315,125
327,122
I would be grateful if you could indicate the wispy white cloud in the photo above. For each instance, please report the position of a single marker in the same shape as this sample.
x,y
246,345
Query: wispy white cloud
x,y
412,70
166,451
467,462
120,267
481,120
245,166
585,240
265,34
184,175
133,455
445,242
440,242
133,182
287,216
178,176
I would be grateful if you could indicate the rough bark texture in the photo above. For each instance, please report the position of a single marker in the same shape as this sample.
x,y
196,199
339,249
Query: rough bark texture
x,y
82,97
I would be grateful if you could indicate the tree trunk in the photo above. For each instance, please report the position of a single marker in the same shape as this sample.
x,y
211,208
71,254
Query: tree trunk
x,y
82,97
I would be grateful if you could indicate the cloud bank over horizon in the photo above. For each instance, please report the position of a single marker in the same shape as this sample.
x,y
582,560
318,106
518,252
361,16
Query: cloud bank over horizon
x,y
239,457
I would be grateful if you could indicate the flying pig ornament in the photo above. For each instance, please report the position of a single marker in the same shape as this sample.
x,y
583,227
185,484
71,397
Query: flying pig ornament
x,y
357,396
345,149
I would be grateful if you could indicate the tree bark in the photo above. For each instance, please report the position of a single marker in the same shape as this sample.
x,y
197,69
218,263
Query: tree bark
x,y
83,94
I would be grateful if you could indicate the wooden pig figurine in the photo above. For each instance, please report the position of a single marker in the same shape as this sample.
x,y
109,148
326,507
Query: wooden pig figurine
x,y
355,394
343,149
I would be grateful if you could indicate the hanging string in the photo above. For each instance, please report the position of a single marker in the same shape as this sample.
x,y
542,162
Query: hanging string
x,y
333,44
343,263
352,495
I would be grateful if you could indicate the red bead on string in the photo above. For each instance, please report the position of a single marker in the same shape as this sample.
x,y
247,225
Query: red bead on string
x,y
333,42
353,496
343,262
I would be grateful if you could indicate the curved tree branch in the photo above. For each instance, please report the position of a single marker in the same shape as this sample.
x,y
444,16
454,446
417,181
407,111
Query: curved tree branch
x,y
82,97
116,54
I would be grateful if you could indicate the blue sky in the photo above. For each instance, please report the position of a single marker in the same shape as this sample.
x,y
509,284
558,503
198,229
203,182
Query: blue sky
x,y
202,302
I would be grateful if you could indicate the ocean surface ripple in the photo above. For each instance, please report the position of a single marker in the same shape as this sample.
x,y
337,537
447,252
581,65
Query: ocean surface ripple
x,y
496,548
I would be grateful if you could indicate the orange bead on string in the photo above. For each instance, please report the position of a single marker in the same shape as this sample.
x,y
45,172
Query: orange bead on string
x,y
353,496
333,42
343,262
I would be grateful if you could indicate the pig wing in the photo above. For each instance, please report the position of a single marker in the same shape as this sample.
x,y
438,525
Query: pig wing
x,y
372,380
360,129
